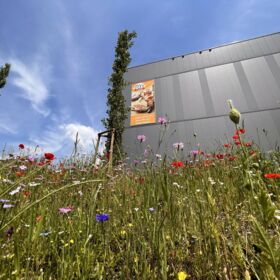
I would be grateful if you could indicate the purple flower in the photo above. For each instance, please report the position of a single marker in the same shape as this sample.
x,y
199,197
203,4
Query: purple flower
x,y
65,210
10,232
178,146
4,200
31,159
102,217
6,206
162,120
141,138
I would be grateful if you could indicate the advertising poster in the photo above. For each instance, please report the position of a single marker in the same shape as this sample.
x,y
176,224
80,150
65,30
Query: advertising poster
x,y
143,103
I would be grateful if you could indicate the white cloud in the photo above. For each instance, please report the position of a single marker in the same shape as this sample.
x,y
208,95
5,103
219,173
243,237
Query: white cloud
x,y
62,138
30,78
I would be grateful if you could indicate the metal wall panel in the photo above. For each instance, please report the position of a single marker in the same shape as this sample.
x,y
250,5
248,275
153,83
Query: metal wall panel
x,y
192,91
220,55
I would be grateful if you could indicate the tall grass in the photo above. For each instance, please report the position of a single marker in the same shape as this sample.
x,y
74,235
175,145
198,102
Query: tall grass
x,y
212,219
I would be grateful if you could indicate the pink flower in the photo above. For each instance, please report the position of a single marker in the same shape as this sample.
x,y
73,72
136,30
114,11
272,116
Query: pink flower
x,y
195,152
65,210
141,138
162,120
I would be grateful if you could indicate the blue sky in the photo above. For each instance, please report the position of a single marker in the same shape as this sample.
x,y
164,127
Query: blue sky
x,y
62,52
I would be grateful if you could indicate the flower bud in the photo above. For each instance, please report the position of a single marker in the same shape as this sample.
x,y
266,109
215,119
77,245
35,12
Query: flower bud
x,y
234,115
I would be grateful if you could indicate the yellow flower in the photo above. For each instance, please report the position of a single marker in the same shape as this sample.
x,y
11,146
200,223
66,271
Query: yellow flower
x,y
130,225
123,232
71,241
182,275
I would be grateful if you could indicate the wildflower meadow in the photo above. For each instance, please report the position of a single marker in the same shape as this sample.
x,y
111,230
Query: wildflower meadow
x,y
210,216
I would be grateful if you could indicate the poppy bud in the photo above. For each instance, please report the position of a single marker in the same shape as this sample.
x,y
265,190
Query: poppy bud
x,y
234,114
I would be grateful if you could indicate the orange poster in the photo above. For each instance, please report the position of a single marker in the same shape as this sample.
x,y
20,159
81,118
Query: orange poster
x,y
143,103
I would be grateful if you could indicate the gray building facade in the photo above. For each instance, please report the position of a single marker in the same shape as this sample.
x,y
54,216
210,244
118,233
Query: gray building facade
x,y
192,92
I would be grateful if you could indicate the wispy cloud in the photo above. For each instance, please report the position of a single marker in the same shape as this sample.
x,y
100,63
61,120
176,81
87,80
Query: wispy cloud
x,y
30,79
62,137
7,126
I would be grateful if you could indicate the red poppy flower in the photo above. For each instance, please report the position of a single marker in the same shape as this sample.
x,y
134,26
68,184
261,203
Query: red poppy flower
x,y
26,194
231,158
235,137
39,218
177,164
207,163
141,180
240,131
220,156
237,143
49,156
41,163
19,174
272,175
226,145
21,146
248,144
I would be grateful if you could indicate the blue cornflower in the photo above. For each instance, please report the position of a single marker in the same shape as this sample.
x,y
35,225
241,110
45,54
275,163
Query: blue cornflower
x,y
10,232
102,217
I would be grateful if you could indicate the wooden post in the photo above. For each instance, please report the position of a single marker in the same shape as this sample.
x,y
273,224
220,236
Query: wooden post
x,y
111,148
96,149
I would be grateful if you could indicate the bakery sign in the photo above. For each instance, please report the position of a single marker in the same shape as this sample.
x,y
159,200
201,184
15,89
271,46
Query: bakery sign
x,y
143,103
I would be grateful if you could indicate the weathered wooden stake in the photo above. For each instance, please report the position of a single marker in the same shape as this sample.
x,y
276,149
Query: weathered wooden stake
x,y
105,134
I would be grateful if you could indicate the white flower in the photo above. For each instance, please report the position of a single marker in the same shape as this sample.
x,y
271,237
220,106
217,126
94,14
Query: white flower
x,y
7,181
277,214
33,184
15,190
158,156
178,145
76,182
23,167
212,182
